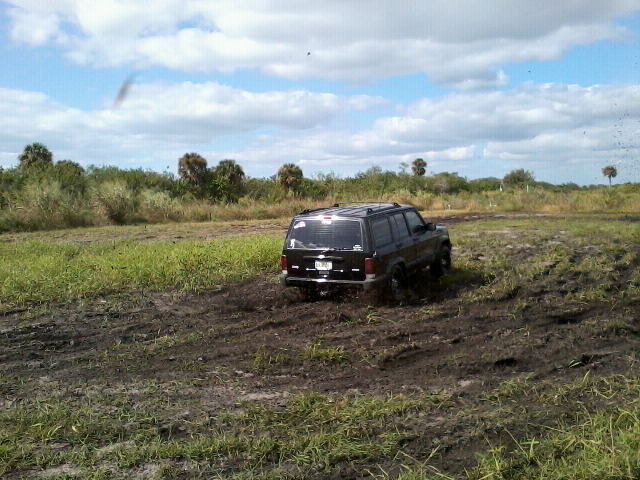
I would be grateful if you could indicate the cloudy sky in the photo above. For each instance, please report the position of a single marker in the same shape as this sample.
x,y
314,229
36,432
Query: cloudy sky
x,y
477,88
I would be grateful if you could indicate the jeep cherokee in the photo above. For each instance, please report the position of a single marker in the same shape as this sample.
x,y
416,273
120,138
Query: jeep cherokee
x,y
366,246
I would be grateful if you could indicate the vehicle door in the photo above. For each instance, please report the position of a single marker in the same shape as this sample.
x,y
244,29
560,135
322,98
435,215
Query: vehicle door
x,y
383,242
425,240
404,242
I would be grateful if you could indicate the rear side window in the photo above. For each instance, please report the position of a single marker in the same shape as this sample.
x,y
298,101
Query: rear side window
x,y
399,226
319,233
381,231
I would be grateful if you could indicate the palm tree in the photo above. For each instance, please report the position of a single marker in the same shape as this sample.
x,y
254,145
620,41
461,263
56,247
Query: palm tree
x,y
610,171
418,167
230,170
33,155
289,176
192,167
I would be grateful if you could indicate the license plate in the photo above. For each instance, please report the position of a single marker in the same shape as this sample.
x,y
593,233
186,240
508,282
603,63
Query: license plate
x,y
323,265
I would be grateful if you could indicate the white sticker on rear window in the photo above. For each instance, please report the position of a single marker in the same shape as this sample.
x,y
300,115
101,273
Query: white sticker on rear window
x,y
326,222
299,225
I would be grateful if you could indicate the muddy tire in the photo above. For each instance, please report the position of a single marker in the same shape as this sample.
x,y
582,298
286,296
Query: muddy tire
x,y
397,286
442,263
309,294
313,294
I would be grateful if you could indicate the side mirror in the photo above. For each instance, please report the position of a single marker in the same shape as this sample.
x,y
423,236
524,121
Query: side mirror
x,y
431,227
424,228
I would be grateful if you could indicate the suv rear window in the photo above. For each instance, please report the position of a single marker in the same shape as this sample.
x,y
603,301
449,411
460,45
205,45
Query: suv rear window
x,y
325,233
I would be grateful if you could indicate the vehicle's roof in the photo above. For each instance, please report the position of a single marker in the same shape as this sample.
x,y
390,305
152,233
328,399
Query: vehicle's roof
x,y
360,210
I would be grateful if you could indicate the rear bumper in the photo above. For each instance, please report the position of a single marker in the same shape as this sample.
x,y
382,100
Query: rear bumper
x,y
368,284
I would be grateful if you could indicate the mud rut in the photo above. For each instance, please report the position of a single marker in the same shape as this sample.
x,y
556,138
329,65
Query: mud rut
x,y
235,340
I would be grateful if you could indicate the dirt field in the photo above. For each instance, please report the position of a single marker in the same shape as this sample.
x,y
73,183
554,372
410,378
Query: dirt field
x,y
247,343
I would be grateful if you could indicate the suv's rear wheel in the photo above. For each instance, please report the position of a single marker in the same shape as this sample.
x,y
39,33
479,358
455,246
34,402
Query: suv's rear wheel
x,y
397,283
442,263
309,294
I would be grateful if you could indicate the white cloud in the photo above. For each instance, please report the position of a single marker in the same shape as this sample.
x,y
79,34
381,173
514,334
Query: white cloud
x,y
551,129
157,117
210,110
458,43
543,128
33,28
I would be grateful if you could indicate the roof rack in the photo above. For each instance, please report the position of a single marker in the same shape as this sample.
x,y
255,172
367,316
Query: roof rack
x,y
309,210
386,207
366,203
381,206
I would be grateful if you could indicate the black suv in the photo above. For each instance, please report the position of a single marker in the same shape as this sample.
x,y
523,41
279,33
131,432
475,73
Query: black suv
x,y
366,246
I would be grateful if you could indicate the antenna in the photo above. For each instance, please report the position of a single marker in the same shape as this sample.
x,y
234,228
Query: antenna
x,y
384,187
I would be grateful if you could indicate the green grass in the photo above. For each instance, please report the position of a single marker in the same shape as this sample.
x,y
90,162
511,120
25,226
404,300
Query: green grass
x,y
311,431
115,435
39,271
327,355
592,249
100,435
605,445
263,360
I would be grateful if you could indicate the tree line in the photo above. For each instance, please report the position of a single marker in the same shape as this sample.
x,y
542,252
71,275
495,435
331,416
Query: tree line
x,y
40,193
226,182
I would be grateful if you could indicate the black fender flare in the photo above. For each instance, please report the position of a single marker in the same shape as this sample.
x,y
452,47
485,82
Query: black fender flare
x,y
392,263
443,242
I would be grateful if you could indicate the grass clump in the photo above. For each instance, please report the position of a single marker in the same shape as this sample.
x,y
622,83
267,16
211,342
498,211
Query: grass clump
x,y
327,355
597,443
37,271
263,359
605,445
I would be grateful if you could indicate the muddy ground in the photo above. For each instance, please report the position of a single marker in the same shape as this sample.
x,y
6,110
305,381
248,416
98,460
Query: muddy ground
x,y
246,343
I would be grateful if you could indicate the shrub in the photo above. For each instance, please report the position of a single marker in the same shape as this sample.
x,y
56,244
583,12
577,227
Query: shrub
x,y
159,206
44,204
116,201
71,177
136,180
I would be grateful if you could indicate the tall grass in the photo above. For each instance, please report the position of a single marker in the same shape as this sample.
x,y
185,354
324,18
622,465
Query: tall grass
x,y
37,271
43,203
48,207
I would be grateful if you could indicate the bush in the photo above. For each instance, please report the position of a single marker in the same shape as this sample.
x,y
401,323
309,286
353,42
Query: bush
x,y
44,204
71,177
116,201
159,207
312,189
136,180
485,185
519,177
10,181
263,189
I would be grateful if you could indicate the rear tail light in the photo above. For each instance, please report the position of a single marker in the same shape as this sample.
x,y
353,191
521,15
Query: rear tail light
x,y
284,264
370,267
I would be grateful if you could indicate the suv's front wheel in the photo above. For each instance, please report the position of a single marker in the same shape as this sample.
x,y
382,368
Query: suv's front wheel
x,y
442,263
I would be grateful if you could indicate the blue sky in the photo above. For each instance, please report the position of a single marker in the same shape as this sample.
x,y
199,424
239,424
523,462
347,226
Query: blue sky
x,y
477,88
